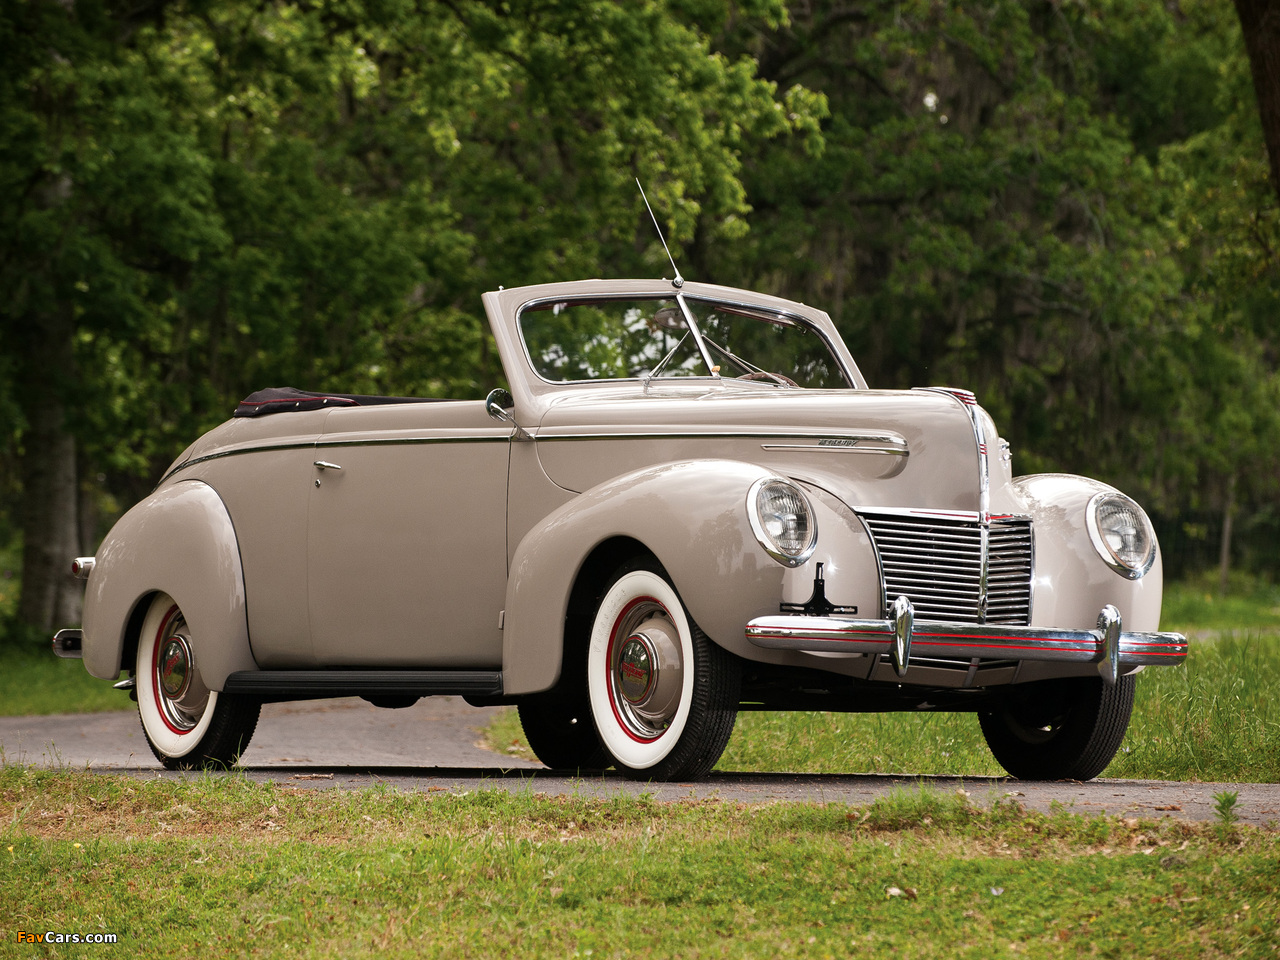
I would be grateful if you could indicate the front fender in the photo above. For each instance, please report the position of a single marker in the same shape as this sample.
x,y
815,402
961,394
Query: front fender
x,y
691,515
1071,583
179,541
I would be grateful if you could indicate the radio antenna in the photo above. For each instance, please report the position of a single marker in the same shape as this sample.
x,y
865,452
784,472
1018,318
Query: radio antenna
x,y
679,280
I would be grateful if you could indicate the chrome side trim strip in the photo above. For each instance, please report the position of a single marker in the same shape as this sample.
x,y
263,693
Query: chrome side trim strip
x,y
410,441
842,443
316,444
886,444
265,448
849,442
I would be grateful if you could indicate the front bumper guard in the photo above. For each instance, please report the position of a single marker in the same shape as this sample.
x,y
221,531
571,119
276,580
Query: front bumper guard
x,y
1114,651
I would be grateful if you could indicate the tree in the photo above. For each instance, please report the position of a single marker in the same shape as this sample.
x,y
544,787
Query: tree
x,y
1226,363
1260,24
209,197
79,144
978,215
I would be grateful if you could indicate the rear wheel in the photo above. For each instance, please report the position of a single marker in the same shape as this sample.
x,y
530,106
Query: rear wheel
x,y
663,697
186,724
1059,729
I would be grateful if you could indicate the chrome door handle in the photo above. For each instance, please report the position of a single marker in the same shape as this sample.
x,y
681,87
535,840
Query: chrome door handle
x,y
326,465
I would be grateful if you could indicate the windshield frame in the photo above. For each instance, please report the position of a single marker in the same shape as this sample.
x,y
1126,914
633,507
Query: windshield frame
x,y
757,311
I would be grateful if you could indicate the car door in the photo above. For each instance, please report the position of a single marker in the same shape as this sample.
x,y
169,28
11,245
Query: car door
x,y
406,544
263,476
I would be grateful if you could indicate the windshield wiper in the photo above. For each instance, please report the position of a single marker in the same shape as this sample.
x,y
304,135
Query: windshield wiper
x,y
750,367
665,360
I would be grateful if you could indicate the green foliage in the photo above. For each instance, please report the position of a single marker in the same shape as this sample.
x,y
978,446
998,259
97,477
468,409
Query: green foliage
x,y
1225,807
226,196
1011,198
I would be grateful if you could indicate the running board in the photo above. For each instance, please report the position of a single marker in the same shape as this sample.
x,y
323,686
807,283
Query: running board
x,y
280,685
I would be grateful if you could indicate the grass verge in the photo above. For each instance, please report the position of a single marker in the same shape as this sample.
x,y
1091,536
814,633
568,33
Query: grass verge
x,y
33,681
1194,606
221,866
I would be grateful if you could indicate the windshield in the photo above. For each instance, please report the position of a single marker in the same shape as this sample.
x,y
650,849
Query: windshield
x,y
622,339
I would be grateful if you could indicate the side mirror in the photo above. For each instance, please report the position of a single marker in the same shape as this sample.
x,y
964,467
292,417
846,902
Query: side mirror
x,y
498,402
498,405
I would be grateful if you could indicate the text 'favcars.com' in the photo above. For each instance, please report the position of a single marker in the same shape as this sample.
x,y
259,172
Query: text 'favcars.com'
x,y
689,503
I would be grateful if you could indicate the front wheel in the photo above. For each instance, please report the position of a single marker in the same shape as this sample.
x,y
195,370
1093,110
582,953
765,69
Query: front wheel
x,y
1059,729
187,725
663,697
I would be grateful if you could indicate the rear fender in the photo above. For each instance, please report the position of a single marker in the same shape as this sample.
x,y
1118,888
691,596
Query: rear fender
x,y
179,541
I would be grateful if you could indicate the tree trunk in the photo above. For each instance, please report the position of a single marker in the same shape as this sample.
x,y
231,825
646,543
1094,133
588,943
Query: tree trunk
x,y
1260,24
50,597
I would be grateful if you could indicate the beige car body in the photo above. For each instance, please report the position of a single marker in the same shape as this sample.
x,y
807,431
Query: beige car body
x,y
433,539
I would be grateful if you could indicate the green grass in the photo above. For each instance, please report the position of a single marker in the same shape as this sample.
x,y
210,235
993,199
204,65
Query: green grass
x,y
1215,719
34,681
221,866
1195,606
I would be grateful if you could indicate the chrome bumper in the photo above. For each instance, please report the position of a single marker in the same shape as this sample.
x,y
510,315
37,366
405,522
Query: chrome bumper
x,y
1113,650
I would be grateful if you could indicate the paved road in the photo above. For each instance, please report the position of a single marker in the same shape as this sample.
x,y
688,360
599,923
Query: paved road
x,y
350,744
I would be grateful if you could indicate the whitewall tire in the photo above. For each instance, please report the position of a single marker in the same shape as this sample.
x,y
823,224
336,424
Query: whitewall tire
x,y
663,697
186,724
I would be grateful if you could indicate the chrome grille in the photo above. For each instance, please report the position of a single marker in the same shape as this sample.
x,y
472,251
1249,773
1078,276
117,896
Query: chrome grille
x,y
936,563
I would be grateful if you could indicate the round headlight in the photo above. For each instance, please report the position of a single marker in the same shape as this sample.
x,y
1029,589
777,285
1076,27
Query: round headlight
x,y
782,520
1122,534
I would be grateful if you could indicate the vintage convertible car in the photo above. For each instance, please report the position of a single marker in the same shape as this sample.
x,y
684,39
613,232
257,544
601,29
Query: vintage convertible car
x,y
688,504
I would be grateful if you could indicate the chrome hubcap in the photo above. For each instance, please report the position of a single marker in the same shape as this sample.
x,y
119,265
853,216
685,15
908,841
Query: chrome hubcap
x,y
635,668
180,691
646,673
175,667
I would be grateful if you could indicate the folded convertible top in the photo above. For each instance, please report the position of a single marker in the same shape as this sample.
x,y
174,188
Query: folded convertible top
x,y
289,399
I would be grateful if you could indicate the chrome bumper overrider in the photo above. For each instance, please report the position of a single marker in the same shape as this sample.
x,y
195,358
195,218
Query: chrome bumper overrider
x,y
1113,650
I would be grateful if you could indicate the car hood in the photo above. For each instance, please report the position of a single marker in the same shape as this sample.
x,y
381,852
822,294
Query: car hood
x,y
886,448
